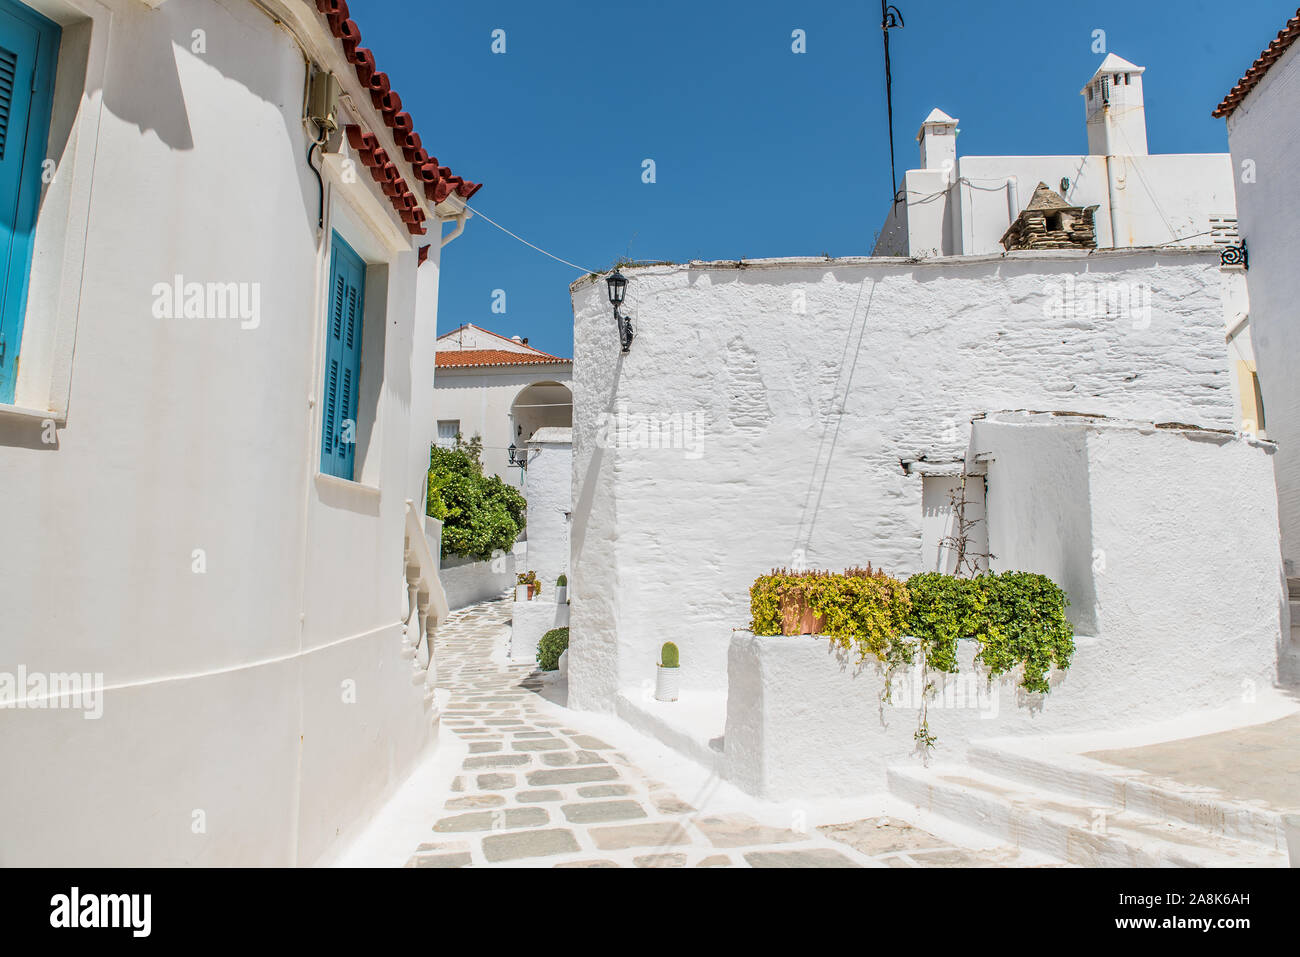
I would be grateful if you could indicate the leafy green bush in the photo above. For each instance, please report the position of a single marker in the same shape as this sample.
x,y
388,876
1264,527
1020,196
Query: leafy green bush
x,y
480,513
945,609
1018,618
668,657
863,608
1024,623
552,644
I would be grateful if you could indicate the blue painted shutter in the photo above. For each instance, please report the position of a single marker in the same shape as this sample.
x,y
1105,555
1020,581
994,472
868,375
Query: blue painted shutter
x,y
342,360
29,47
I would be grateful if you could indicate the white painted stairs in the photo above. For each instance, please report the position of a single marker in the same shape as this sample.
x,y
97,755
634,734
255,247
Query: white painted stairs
x,y
1083,812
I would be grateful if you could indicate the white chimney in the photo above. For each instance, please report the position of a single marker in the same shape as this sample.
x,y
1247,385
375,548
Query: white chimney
x,y
1117,117
938,139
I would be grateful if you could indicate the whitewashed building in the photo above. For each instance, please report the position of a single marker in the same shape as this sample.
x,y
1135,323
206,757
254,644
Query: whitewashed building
x,y
216,407
501,389
815,413
1263,118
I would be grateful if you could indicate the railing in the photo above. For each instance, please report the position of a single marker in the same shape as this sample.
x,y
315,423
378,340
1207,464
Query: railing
x,y
426,601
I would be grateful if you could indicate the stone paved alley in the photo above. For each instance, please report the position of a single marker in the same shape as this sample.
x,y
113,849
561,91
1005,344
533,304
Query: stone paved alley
x,y
536,789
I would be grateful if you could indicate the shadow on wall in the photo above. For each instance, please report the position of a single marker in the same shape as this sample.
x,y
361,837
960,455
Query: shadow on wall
x,y
143,85
831,428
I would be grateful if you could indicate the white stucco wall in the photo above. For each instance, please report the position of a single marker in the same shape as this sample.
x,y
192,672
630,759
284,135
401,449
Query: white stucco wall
x,y
805,418
550,503
466,582
1264,136
228,691
1124,516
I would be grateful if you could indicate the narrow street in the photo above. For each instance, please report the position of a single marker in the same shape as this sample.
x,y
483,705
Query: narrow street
x,y
539,790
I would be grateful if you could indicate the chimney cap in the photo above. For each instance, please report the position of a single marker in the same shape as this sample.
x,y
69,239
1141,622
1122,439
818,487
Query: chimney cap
x,y
937,117
1110,66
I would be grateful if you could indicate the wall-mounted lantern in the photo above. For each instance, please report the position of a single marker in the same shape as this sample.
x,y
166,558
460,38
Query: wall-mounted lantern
x,y
617,283
517,457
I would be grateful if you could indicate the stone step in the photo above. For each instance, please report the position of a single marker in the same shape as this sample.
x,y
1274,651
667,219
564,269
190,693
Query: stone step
x,y
1074,831
1106,785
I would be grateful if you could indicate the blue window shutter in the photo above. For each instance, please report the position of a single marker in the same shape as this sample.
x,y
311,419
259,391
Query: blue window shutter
x,y
342,360
29,50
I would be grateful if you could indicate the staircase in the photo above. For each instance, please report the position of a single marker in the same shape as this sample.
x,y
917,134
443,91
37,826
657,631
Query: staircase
x,y
426,606
1091,814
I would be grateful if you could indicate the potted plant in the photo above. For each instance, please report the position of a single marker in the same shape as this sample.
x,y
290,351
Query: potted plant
x,y
526,586
667,679
798,617
562,589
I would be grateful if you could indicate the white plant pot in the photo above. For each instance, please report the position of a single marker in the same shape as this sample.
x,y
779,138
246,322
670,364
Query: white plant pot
x,y
667,681
521,593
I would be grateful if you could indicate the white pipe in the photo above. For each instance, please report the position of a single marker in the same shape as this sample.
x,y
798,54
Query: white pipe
x,y
460,227
1114,207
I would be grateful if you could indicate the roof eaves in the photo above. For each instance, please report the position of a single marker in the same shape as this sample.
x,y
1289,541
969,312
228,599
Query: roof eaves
x,y
1252,77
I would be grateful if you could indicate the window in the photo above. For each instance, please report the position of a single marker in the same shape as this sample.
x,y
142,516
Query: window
x,y
342,361
448,429
29,49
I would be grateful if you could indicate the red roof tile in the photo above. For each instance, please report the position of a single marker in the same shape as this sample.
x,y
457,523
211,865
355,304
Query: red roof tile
x,y
493,357
438,182
1286,36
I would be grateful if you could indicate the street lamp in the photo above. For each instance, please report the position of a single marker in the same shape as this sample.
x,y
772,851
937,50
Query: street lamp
x,y
517,457
617,283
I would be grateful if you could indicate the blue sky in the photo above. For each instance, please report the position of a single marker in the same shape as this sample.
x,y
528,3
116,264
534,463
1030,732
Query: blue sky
x,y
758,151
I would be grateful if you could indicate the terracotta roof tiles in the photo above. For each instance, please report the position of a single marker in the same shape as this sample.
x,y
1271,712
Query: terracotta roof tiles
x,y
492,357
438,182
1286,36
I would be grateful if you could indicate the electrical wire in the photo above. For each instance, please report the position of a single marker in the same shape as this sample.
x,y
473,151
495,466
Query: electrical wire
x,y
528,244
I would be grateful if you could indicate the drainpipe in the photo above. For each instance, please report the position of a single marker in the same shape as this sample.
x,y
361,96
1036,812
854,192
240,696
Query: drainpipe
x,y
464,216
1013,200
1114,206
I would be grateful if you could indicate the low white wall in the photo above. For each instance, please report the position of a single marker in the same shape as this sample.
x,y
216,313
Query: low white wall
x,y
1167,544
529,621
466,581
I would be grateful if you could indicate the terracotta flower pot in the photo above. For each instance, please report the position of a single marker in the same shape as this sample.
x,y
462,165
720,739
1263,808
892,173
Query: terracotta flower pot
x,y
798,619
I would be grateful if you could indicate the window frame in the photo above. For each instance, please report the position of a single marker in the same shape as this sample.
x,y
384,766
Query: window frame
x,y
30,190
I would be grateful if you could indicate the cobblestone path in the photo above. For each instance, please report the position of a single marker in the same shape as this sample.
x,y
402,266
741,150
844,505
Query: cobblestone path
x,y
536,790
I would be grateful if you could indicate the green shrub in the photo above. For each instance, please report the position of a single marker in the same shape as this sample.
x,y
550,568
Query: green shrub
x,y
480,513
945,609
1018,618
1024,623
562,582
552,644
668,655
864,609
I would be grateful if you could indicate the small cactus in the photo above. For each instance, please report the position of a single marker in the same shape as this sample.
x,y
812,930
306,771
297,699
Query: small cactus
x,y
562,581
668,656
